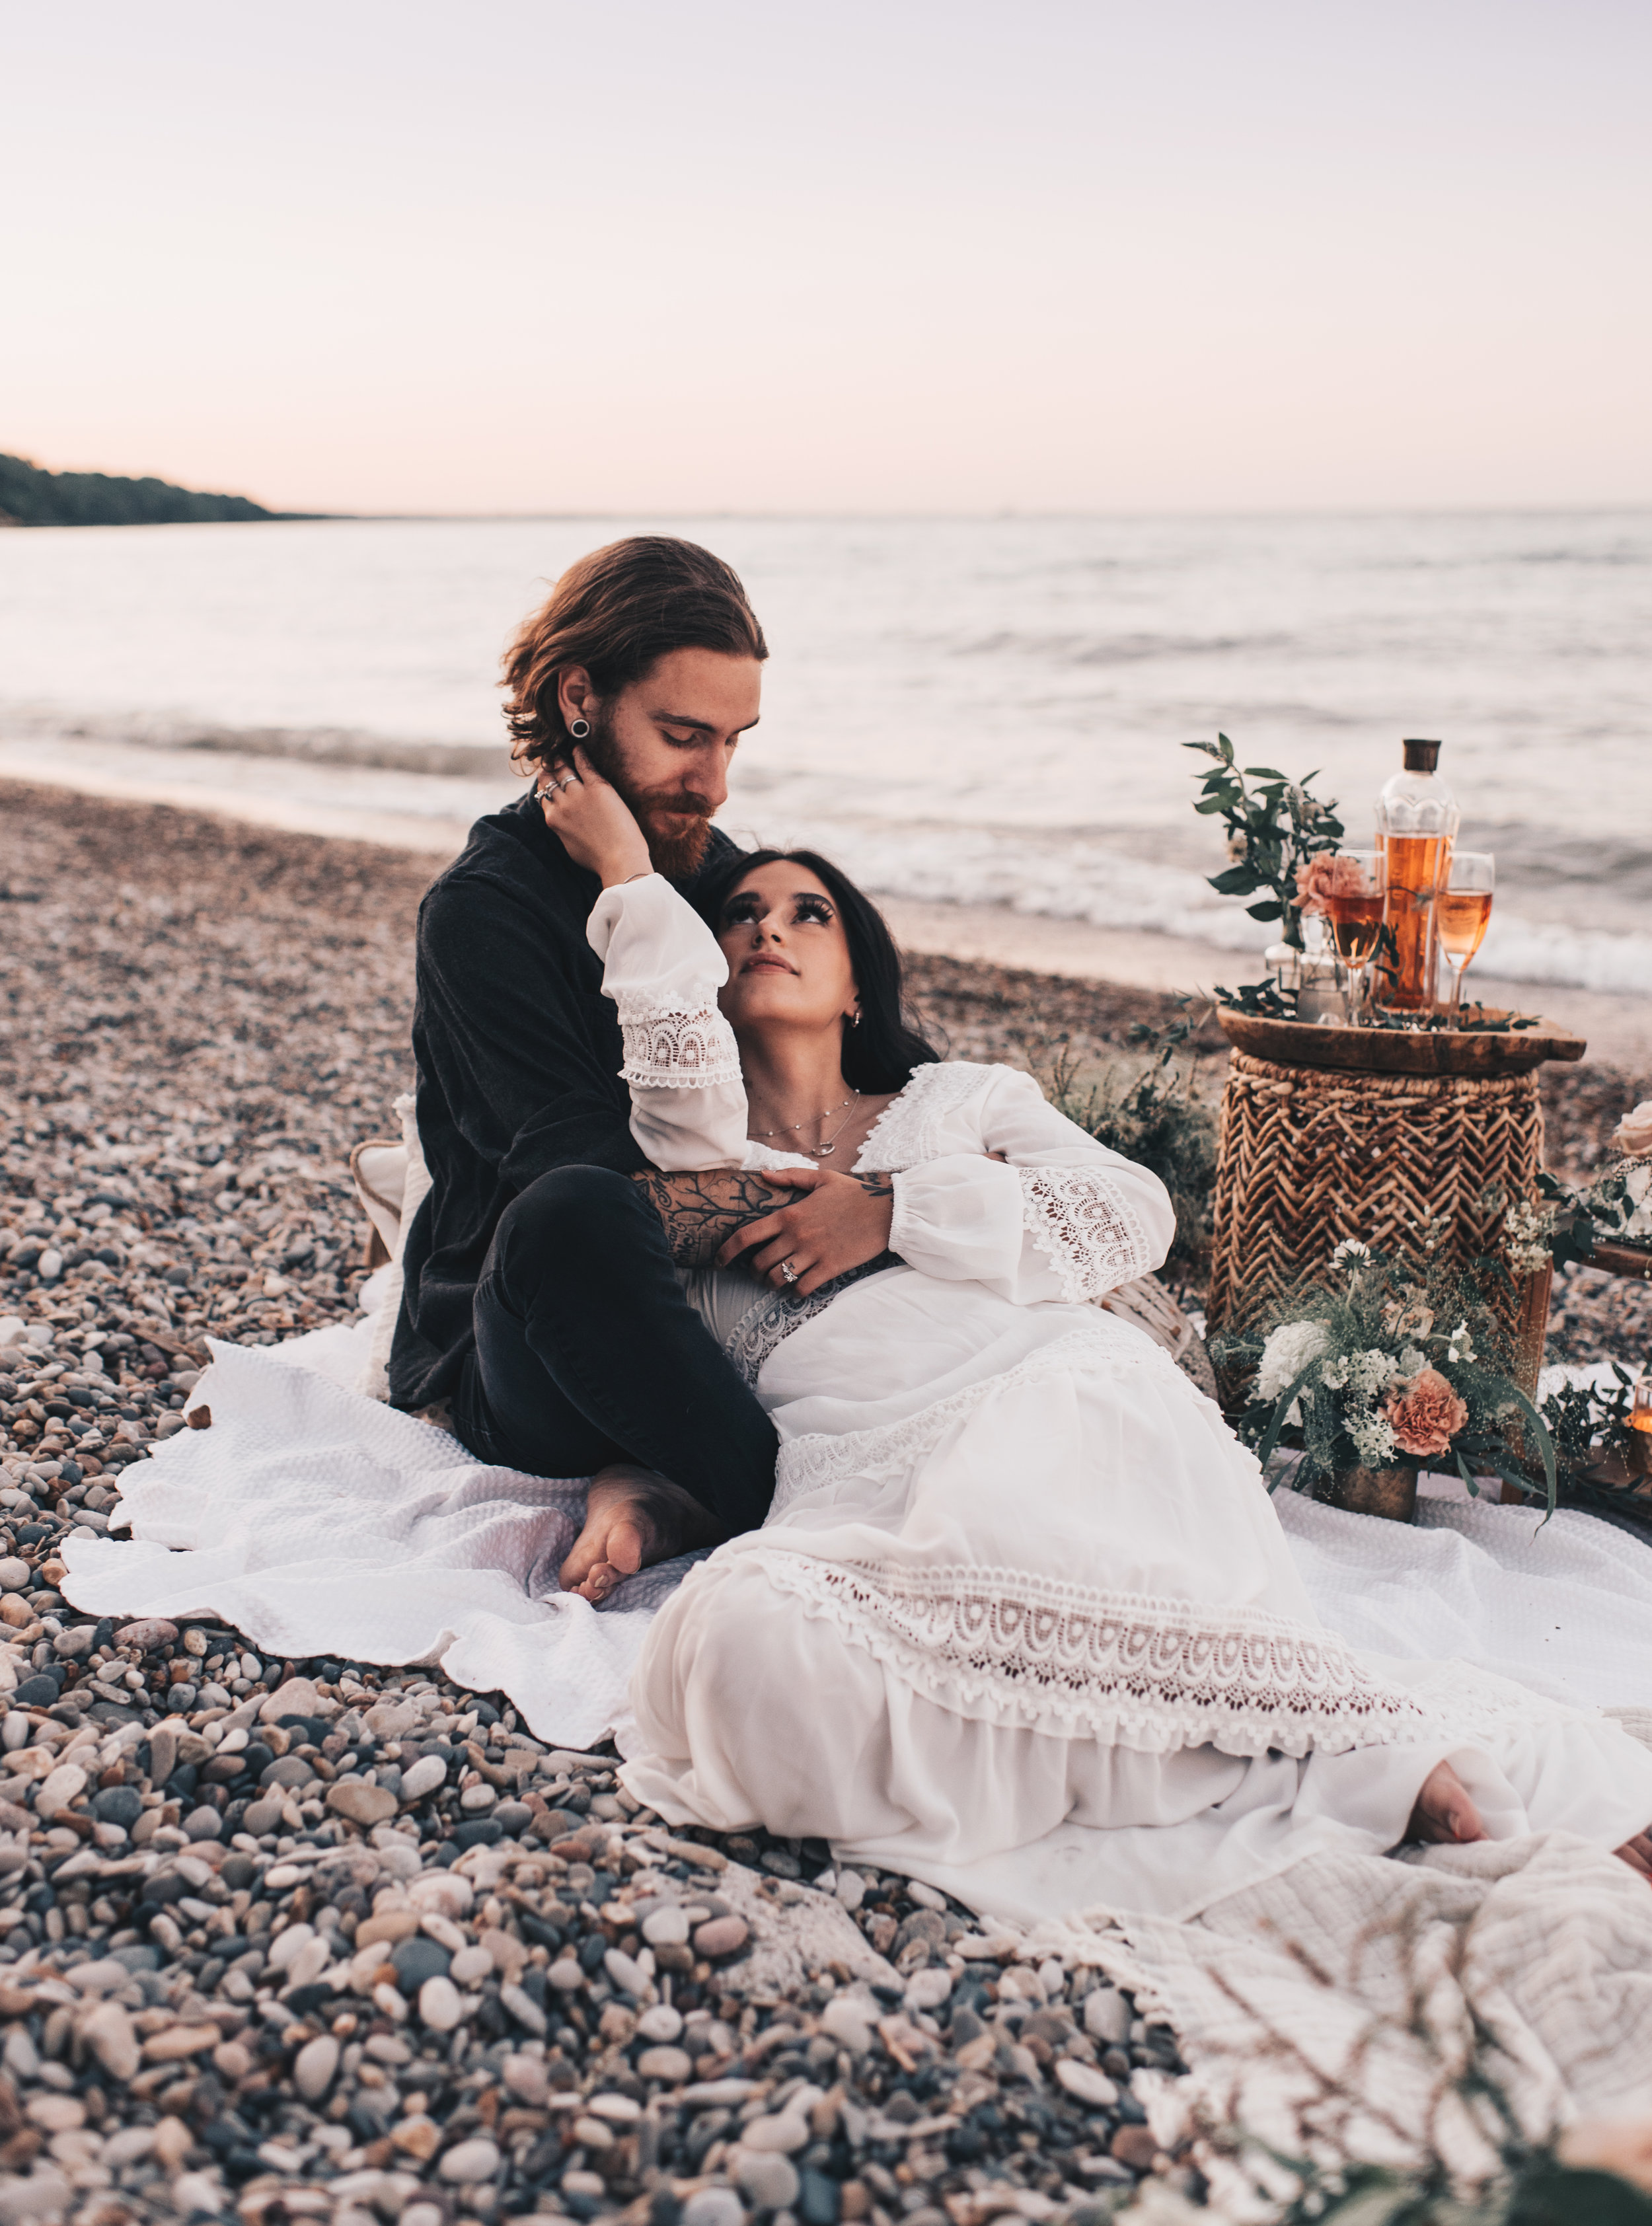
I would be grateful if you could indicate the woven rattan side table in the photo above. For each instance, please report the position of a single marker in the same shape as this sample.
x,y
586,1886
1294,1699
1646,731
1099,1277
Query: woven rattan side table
x,y
1311,1154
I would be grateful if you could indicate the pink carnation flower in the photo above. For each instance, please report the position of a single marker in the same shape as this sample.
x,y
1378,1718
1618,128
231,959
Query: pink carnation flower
x,y
1426,1414
1331,874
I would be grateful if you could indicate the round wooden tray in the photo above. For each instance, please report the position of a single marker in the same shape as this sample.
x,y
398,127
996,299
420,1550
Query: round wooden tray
x,y
1620,1259
1399,1051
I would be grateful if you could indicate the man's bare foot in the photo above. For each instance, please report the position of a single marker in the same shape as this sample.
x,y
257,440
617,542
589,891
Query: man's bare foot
x,y
634,1518
1445,1814
1637,1854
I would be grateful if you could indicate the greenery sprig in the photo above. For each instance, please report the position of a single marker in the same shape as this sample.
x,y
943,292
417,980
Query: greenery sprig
x,y
1272,830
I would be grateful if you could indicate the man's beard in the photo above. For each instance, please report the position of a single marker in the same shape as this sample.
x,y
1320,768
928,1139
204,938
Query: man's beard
x,y
676,825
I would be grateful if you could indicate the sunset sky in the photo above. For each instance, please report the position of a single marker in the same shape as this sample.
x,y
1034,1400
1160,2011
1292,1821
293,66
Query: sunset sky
x,y
920,255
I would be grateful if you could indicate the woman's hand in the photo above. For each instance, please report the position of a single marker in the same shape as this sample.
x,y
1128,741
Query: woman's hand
x,y
836,1223
594,823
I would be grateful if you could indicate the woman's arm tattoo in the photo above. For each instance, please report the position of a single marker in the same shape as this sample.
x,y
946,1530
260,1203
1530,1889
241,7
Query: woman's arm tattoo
x,y
702,1211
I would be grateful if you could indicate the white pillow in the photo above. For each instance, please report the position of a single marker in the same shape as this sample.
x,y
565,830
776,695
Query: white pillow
x,y
375,1377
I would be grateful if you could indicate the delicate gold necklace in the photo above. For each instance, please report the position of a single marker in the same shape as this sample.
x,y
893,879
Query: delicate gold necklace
x,y
815,1151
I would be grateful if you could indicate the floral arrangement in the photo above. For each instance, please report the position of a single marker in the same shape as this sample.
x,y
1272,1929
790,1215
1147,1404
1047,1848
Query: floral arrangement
x,y
1381,1369
1275,833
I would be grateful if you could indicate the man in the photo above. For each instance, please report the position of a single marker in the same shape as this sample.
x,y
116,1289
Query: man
x,y
541,1298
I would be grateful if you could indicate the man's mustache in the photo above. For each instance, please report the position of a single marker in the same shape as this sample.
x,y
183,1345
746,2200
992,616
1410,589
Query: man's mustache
x,y
651,802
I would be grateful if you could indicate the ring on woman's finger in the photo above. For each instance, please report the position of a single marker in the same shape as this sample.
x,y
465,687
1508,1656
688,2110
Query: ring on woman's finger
x,y
789,1271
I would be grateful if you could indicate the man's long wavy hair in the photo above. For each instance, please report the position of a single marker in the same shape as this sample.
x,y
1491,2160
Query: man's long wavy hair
x,y
882,1052
616,612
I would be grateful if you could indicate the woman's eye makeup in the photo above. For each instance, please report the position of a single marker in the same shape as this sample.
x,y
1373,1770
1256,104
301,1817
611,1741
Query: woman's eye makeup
x,y
742,912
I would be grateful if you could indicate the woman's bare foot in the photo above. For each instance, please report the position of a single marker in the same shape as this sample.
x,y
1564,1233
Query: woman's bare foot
x,y
1637,1854
1445,1814
634,1518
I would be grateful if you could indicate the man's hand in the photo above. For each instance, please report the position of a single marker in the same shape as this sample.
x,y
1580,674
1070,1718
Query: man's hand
x,y
594,823
835,1222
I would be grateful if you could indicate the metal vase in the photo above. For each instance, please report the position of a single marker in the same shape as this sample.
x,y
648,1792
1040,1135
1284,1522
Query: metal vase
x,y
1390,1493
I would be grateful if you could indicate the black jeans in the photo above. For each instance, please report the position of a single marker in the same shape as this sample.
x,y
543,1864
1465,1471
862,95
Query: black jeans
x,y
588,1352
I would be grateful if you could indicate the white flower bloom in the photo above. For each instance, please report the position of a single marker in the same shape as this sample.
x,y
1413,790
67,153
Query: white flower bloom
x,y
1371,1372
1373,1437
1461,1346
1288,1350
1412,1361
1334,1374
1352,1254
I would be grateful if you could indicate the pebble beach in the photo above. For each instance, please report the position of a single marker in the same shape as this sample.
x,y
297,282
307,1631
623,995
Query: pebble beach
x,y
285,1939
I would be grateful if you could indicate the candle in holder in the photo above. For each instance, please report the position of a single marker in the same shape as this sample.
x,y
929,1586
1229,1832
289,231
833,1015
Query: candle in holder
x,y
1640,1420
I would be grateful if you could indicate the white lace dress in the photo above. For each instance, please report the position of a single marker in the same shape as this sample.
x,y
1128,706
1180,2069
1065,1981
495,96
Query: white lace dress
x,y
1022,1621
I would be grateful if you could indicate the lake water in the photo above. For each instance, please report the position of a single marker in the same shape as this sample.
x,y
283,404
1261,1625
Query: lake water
x,y
981,711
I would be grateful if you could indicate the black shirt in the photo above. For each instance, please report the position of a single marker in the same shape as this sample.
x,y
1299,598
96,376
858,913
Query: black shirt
x,y
519,1056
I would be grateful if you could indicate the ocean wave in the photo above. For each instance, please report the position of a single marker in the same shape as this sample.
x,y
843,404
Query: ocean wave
x,y
1085,880
334,746
1087,649
1073,873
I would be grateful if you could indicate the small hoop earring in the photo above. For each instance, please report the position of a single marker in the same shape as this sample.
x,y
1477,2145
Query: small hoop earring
x,y
579,728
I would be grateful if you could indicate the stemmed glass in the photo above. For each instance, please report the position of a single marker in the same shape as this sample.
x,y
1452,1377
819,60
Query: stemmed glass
x,y
1354,907
1462,910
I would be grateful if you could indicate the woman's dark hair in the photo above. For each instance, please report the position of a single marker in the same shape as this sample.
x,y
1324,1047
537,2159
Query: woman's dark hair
x,y
617,612
880,1052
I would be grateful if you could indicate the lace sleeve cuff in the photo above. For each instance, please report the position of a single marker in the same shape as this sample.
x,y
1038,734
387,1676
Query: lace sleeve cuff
x,y
1084,1229
676,1050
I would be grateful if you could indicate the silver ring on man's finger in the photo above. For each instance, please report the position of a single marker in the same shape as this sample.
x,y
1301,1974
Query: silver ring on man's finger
x,y
788,1271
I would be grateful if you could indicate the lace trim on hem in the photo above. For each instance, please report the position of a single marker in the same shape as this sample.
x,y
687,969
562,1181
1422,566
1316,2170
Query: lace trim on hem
x,y
1120,1668
676,1050
1090,1237
1104,1345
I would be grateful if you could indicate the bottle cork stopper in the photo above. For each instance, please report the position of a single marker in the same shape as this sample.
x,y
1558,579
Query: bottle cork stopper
x,y
1422,757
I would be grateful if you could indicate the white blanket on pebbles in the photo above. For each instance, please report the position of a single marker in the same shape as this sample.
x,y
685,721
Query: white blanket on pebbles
x,y
316,1521
319,1522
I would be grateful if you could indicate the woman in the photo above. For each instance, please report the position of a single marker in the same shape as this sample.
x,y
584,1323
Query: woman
x,y
1022,1620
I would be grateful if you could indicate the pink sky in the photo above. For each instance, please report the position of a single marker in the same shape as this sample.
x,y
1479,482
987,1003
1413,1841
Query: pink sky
x,y
938,256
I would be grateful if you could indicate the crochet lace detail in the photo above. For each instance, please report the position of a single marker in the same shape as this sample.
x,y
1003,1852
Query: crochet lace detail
x,y
1077,1219
903,1136
1104,1345
773,1319
1028,1652
676,1050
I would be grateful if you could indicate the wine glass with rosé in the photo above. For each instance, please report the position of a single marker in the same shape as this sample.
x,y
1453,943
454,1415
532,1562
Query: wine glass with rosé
x,y
1356,891
1462,910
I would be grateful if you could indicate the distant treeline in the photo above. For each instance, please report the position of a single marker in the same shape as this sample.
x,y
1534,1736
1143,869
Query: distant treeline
x,y
30,496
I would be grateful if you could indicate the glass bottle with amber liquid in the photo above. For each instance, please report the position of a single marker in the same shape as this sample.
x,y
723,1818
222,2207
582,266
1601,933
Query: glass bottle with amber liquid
x,y
1416,825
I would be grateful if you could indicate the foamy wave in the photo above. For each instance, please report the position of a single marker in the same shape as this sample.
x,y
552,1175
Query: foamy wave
x,y
1056,872
1083,880
1533,950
